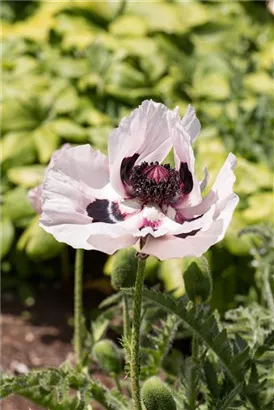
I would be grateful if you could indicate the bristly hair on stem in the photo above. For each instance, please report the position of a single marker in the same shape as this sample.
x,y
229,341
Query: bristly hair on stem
x,y
135,338
78,304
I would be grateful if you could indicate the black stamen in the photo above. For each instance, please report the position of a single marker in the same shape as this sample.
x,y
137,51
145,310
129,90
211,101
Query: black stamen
x,y
148,190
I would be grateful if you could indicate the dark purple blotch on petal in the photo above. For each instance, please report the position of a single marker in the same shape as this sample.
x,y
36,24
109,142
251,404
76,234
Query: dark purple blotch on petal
x,y
102,210
186,234
126,167
181,219
186,178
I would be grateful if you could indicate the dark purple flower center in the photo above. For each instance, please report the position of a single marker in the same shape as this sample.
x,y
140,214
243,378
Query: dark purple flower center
x,y
154,183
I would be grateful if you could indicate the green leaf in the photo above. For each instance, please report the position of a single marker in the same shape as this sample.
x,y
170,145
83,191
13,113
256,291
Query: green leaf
x,y
213,86
46,142
259,82
69,130
167,17
67,101
203,324
126,25
51,389
68,67
161,339
76,31
38,244
260,208
28,176
87,114
142,47
7,231
262,177
122,75
24,152
16,116
227,402
16,206
98,137
211,379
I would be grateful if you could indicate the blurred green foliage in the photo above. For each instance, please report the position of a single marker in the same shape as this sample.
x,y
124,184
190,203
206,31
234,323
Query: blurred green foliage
x,y
73,69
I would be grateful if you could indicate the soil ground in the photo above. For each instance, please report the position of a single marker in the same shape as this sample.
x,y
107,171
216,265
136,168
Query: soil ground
x,y
39,336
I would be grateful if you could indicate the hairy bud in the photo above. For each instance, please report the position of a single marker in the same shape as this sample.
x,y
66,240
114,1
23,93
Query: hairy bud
x,y
198,281
156,396
108,356
124,269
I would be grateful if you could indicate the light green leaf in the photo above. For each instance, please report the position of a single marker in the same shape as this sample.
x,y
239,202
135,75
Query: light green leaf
x,y
46,142
77,32
143,47
261,207
7,233
259,82
169,18
69,130
37,243
67,101
88,114
28,176
124,76
214,86
17,148
16,206
98,137
128,26
261,176
16,116
68,67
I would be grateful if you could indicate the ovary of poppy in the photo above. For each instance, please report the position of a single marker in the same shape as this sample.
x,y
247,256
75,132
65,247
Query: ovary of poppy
x,y
90,201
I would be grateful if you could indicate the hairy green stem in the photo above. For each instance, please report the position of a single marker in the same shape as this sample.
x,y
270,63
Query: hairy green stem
x,y
78,304
135,338
267,288
194,357
126,320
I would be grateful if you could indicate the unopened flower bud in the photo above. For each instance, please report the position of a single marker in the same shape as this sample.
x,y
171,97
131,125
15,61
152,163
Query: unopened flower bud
x,y
124,269
108,356
198,281
156,396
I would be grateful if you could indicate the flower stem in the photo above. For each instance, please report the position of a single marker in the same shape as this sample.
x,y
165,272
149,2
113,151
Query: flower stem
x,y
193,384
126,319
267,289
135,338
78,304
